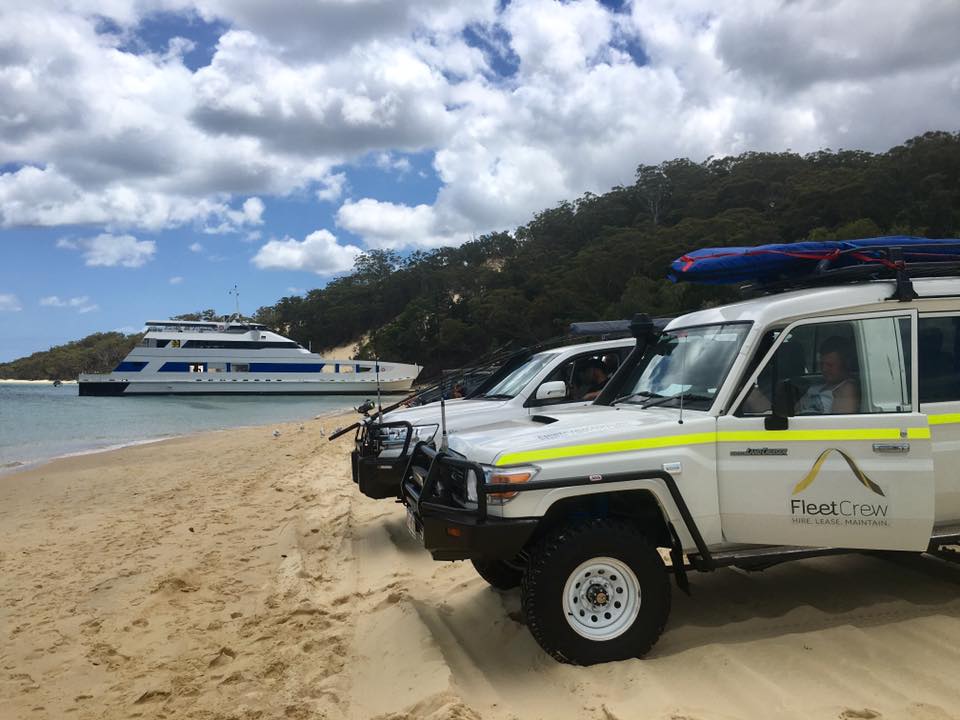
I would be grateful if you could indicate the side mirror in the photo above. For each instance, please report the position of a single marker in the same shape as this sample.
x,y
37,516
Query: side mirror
x,y
784,401
556,390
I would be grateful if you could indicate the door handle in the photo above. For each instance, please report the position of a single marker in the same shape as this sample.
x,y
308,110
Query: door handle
x,y
896,448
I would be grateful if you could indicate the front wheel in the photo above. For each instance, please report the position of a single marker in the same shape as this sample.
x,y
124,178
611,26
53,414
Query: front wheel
x,y
596,592
500,574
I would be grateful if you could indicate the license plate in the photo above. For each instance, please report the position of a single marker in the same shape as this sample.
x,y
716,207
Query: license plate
x,y
412,526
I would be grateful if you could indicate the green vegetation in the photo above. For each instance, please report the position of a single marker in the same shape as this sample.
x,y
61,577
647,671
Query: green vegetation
x,y
605,256
99,352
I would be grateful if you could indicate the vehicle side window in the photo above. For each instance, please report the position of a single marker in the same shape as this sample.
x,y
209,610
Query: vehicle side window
x,y
584,375
938,345
838,368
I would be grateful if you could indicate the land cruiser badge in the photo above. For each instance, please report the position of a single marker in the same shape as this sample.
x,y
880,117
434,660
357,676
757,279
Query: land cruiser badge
x,y
760,451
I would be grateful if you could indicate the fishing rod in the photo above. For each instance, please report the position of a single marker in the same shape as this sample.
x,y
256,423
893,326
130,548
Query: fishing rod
x,y
502,357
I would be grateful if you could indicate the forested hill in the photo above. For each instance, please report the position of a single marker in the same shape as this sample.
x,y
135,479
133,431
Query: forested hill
x,y
605,256
99,352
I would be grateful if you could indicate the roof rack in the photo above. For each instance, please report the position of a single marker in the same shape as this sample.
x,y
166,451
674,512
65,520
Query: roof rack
x,y
877,262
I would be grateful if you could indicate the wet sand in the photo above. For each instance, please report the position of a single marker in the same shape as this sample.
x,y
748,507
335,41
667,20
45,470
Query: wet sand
x,y
240,575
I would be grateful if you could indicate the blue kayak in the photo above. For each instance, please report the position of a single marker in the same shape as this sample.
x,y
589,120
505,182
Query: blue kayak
x,y
771,263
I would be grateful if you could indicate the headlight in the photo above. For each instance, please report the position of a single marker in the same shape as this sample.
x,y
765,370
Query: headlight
x,y
392,435
507,476
397,435
424,433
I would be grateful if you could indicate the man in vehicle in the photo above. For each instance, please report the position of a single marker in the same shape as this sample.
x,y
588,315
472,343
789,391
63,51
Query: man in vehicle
x,y
591,377
838,393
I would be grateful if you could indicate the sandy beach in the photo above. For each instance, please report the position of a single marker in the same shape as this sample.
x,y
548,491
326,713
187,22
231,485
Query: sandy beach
x,y
240,575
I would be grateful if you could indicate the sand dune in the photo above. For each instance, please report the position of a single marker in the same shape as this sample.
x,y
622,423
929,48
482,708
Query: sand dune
x,y
240,575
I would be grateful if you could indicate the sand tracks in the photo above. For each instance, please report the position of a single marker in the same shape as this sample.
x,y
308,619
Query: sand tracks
x,y
241,576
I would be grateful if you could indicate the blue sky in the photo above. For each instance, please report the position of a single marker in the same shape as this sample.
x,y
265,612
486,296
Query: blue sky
x,y
153,153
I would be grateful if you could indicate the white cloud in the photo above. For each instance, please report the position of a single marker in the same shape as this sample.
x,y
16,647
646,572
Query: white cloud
x,y
196,247
176,280
319,252
296,291
9,303
296,93
332,188
389,225
81,304
391,163
106,250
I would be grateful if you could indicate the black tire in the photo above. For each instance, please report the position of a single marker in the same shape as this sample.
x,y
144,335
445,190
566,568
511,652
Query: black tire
x,y
498,573
553,561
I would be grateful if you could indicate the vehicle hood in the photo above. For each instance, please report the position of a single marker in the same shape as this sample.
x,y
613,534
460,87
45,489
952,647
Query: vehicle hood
x,y
592,424
459,413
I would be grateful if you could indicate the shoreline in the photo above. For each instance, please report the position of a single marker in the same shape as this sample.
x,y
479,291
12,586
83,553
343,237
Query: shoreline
x,y
13,468
12,381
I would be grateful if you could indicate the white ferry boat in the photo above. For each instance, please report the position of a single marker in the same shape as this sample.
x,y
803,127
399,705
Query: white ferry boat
x,y
179,357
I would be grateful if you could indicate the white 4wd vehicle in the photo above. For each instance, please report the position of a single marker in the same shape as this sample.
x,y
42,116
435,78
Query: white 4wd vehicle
x,y
798,424
527,385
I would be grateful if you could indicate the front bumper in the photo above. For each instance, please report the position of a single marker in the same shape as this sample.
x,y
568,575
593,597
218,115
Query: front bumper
x,y
434,492
378,476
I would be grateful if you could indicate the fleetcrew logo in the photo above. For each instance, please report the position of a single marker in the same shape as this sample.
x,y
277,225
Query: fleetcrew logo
x,y
838,511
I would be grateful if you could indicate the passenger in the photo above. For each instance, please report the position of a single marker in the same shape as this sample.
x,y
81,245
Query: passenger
x,y
838,393
611,363
591,376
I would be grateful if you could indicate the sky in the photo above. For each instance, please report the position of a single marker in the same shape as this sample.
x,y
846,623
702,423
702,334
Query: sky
x,y
155,153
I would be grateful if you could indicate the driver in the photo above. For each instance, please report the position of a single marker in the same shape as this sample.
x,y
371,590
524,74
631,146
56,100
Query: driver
x,y
837,393
591,377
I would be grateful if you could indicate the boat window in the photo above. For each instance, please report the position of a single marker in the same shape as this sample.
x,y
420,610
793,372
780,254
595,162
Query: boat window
x,y
240,367
236,344
688,364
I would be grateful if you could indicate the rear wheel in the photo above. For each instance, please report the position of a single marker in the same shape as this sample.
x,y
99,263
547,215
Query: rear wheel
x,y
501,574
596,592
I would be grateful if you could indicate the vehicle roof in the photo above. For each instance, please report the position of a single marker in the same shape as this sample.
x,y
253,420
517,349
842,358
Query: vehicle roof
x,y
808,302
587,347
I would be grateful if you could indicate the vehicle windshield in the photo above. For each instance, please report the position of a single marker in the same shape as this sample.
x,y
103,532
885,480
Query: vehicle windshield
x,y
516,381
689,363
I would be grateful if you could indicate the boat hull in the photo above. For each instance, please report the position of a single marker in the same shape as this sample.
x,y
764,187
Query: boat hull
x,y
105,386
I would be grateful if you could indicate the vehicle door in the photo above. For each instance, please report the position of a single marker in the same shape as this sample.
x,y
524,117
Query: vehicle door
x,y
825,445
938,358
583,376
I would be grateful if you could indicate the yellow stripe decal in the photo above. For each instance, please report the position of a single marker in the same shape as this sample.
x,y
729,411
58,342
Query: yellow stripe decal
x,y
764,436
814,435
944,419
605,448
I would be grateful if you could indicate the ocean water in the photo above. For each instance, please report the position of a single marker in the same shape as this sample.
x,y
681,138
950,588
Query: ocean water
x,y
38,422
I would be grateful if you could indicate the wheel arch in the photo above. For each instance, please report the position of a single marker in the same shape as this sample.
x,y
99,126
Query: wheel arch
x,y
643,507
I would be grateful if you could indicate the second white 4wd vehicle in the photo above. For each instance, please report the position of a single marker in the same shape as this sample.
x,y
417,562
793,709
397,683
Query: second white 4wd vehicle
x,y
570,376
795,424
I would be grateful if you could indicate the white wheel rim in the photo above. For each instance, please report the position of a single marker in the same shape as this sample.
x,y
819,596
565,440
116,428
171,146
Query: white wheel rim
x,y
601,599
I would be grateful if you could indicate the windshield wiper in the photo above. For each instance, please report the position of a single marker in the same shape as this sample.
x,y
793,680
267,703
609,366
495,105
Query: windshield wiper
x,y
499,396
687,397
639,393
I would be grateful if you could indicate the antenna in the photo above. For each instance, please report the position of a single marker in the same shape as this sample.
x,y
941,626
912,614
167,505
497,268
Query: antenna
x,y
376,365
443,415
683,373
236,294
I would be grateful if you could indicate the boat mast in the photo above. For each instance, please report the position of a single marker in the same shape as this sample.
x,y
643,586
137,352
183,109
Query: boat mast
x,y
236,294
